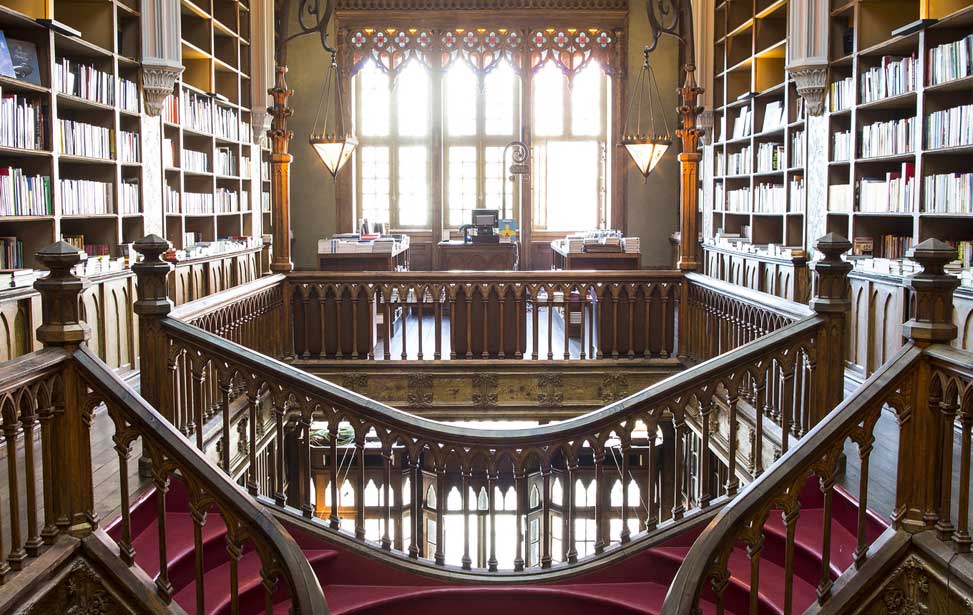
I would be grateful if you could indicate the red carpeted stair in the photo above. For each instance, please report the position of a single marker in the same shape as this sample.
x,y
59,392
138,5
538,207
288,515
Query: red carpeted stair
x,y
360,585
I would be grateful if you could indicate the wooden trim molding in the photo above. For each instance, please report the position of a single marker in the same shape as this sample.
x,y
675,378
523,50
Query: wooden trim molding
x,y
481,5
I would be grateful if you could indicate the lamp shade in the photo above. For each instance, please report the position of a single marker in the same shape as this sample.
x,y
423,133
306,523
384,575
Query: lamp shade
x,y
646,152
334,150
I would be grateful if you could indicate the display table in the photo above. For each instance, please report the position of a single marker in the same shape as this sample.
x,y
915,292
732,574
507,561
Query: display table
x,y
605,261
397,260
456,255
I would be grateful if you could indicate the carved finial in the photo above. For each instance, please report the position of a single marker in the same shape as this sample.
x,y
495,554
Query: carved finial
x,y
831,275
61,323
932,321
153,273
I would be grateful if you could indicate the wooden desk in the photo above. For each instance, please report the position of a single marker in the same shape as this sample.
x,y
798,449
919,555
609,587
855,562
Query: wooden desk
x,y
365,261
459,256
604,261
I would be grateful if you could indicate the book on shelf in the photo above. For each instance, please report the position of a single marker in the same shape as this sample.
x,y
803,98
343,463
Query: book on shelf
x,y
245,167
841,95
773,116
197,111
950,61
84,81
841,146
197,203
128,146
86,197
950,127
23,121
740,163
949,193
739,200
168,153
795,204
889,138
6,62
195,161
191,239
770,157
170,110
128,197
23,195
171,200
797,149
770,199
892,193
895,246
719,197
743,125
225,161
226,201
862,246
265,202
227,123
23,56
720,163
88,140
128,95
893,77
17,277
840,198
11,257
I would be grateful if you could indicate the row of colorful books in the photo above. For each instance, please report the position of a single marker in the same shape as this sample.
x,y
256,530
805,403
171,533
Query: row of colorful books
x,y
893,77
23,121
950,127
84,81
86,197
24,195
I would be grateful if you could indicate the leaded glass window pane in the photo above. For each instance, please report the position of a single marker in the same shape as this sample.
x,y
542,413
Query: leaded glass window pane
x,y
461,165
412,100
549,101
413,186
375,101
461,86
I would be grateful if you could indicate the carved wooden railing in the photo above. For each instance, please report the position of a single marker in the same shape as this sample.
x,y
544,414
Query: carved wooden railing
x,y
484,315
49,400
926,384
653,458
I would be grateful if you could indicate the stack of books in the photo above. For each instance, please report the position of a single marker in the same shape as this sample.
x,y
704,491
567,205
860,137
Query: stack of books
x,y
197,203
86,197
892,193
889,138
128,146
770,157
949,193
840,198
23,122
128,95
227,123
22,195
81,139
84,81
842,95
197,112
197,162
842,146
950,127
770,199
226,201
225,161
17,277
797,149
632,245
11,255
951,61
894,77
128,197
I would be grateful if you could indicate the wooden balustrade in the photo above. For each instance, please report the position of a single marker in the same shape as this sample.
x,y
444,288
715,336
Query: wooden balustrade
x,y
48,402
490,315
785,277
926,383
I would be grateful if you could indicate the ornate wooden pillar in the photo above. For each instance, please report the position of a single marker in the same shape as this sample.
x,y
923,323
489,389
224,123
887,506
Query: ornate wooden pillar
x,y
61,326
920,431
280,172
832,302
152,305
689,158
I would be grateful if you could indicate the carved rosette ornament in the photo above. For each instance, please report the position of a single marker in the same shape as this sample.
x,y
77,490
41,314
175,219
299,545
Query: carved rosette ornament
x,y
158,82
812,86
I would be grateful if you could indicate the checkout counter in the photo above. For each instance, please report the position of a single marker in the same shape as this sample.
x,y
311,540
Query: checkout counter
x,y
482,247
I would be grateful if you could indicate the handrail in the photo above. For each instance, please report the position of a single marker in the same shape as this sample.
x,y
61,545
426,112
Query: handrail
x,y
673,386
781,484
764,301
200,307
170,451
367,277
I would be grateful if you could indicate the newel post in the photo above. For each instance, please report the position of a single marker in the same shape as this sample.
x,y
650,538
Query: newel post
x,y
152,305
61,326
920,425
832,303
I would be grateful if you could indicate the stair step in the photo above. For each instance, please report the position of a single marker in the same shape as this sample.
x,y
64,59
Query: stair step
x,y
635,598
217,595
179,540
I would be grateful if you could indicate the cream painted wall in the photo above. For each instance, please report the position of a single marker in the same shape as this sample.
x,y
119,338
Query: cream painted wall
x,y
652,206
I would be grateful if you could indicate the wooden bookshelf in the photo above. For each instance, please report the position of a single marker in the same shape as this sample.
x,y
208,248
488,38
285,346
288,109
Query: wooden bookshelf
x,y
216,56
110,42
750,50
861,35
266,203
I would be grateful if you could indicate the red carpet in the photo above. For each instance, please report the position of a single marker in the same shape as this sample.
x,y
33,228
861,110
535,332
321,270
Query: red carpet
x,y
360,585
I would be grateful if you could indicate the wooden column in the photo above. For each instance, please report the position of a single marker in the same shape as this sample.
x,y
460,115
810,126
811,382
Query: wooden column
x,y
920,431
61,326
152,305
689,159
832,302
280,172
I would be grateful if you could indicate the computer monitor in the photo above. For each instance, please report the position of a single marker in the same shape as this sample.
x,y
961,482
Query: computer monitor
x,y
486,218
